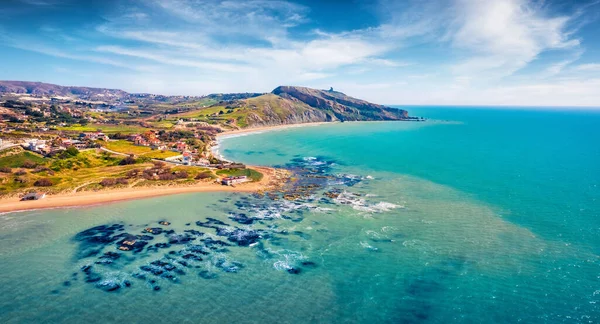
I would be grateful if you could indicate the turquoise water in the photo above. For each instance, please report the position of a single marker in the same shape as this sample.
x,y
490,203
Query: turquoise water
x,y
478,215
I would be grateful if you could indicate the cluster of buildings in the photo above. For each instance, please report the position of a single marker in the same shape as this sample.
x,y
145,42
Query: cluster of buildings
x,y
50,147
189,156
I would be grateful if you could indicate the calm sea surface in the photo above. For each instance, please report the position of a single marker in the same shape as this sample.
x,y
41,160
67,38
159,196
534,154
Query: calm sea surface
x,y
477,215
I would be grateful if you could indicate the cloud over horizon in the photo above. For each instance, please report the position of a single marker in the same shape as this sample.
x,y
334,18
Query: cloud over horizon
x,y
451,52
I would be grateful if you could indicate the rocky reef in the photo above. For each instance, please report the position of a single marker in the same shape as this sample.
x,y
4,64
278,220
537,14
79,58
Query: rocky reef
x,y
116,256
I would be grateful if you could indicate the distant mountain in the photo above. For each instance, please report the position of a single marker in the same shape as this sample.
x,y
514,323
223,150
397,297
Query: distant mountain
x,y
47,89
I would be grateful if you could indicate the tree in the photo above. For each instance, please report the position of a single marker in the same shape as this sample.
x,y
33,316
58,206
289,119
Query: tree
x,y
72,151
128,160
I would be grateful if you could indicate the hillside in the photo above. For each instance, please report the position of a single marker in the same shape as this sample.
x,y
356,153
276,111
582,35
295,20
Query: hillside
x,y
339,106
47,89
284,105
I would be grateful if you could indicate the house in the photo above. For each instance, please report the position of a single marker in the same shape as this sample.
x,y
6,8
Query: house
x,y
187,158
102,136
154,142
33,196
160,147
181,146
139,140
37,145
229,181
203,162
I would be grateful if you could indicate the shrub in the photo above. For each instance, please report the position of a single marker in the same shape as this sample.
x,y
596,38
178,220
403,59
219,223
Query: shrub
x,y
39,169
5,170
122,181
21,172
132,173
158,164
108,182
29,164
45,182
204,175
181,175
167,176
128,160
20,180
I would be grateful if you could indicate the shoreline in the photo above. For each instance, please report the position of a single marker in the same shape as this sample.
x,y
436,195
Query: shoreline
x,y
256,130
272,178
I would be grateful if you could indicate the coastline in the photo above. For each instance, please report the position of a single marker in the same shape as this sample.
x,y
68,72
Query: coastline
x,y
272,178
256,130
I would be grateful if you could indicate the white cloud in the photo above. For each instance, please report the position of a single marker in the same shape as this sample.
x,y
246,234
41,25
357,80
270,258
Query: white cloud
x,y
196,47
505,35
588,67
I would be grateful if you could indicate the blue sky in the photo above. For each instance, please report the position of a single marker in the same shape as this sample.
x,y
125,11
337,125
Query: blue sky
x,y
451,52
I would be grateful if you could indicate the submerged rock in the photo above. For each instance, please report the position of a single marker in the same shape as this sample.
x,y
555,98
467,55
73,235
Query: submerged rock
x,y
108,285
205,274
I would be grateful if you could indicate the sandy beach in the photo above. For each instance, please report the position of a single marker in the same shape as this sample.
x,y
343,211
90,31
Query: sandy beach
x,y
271,179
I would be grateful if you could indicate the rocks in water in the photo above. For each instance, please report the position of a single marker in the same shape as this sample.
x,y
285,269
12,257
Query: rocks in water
x,y
193,257
260,219
214,244
207,274
155,247
211,223
157,271
309,264
131,243
139,275
108,285
66,283
194,232
180,238
240,236
242,218
153,230
111,256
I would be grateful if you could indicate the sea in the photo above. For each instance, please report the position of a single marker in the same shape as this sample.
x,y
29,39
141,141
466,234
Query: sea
x,y
477,215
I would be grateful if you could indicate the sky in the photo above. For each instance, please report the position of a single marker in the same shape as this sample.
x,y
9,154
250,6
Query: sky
x,y
414,52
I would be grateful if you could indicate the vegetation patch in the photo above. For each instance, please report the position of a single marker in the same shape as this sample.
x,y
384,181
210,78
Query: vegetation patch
x,y
126,147
22,160
251,174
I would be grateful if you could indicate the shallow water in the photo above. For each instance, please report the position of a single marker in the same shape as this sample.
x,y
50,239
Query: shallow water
x,y
465,219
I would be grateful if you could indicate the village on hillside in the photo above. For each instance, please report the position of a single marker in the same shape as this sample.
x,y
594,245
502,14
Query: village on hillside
x,y
45,141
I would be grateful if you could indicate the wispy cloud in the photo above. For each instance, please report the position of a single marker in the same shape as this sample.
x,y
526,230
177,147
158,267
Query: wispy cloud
x,y
444,51
588,67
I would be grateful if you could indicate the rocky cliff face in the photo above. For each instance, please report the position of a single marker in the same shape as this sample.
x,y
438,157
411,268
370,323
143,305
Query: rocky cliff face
x,y
339,106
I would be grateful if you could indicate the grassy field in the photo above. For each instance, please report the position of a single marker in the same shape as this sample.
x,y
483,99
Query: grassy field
x,y
127,147
84,171
106,128
17,160
252,174
166,124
